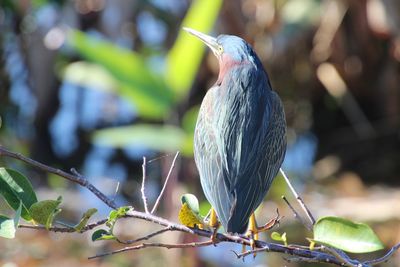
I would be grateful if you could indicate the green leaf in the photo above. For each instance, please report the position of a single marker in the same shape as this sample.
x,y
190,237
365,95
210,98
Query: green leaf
x,y
192,202
43,212
7,227
85,218
16,189
184,58
278,237
205,207
346,235
165,138
116,214
102,234
90,75
151,96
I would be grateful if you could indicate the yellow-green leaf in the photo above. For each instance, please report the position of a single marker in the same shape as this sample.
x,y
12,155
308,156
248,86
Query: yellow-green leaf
x,y
85,218
346,235
43,212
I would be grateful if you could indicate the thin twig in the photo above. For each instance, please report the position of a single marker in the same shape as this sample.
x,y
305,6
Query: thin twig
x,y
299,199
343,257
147,237
158,245
384,258
73,178
296,215
165,184
144,198
63,229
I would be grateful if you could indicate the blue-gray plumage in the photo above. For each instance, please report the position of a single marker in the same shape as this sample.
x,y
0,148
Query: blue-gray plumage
x,y
240,135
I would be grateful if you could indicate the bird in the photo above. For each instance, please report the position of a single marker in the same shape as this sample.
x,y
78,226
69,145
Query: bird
x,y
240,135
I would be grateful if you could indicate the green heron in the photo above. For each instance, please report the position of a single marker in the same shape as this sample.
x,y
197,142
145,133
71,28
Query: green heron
x,y
240,135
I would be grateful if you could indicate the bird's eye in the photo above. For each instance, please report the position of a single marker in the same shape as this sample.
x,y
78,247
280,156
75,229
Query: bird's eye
x,y
220,49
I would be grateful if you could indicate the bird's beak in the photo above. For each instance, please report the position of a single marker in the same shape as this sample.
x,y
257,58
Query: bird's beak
x,y
210,41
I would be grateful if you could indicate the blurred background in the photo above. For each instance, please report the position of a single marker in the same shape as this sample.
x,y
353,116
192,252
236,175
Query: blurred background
x,y
97,85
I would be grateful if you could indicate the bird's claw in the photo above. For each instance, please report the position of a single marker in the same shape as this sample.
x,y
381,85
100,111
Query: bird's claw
x,y
271,223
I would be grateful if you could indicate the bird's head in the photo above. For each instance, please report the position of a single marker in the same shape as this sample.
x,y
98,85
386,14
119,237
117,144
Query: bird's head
x,y
229,49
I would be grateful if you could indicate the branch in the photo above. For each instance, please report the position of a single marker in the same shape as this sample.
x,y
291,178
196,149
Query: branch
x,y
147,237
165,184
144,198
385,258
71,177
299,199
63,229
158,245
296,214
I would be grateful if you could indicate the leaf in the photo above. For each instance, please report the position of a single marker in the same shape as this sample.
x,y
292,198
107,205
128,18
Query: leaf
x,y
165,138
102,234
116,214
189,213
278,237
191,201
43,212
346,235
188,218
90,75
85,218
16,189
7,227
184,58
138,83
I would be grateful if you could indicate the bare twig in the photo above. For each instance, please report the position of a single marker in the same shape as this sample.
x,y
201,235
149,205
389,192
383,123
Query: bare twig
x,y
165,184
384,258
144,198
71,177
296,214
158,245
299,199
63,229
342,257
147,237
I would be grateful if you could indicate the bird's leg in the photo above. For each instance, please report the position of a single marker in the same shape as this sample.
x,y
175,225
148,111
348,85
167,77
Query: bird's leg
x,y
253,230
214,224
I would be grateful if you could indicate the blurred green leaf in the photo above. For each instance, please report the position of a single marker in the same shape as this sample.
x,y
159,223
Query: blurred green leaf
x,y
165,138
346,235
16,189
189,119
137,82
90,75
43,212
7,227
184,58
85,218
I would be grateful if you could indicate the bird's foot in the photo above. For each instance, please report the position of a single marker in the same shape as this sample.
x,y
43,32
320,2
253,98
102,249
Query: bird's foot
x,y
214,225
271,223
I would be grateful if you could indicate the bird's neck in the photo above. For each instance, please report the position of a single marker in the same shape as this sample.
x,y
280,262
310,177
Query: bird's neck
x,y
226,64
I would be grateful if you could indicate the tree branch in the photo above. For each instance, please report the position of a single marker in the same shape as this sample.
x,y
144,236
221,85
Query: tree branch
x,y
71,177
334,256
142,190
299,199
165,184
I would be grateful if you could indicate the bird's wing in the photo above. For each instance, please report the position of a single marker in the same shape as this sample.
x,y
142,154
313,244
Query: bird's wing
x,y
208,158
253,139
